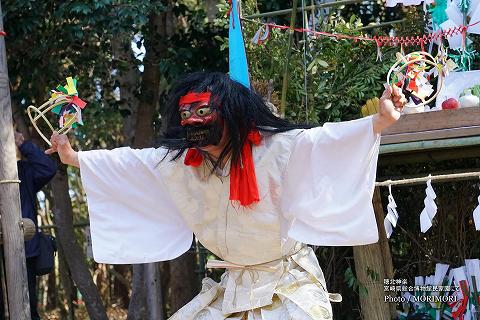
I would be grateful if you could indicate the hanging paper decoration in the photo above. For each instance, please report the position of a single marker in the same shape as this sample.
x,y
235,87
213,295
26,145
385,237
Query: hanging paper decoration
x,y
457,12
454,13
404,41
438,12
456,296
464,58
262,34
393,3
448,64
460,306
474,17
64,102
237,56
391,218
476,215
473,276
430,210
455,41
464,6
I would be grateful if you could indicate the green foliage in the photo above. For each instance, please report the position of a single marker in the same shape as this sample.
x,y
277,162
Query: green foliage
x,y
353,282
340,74
48,41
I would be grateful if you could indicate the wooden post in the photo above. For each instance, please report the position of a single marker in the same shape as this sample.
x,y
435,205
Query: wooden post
x,y
375,259
15,266
383,242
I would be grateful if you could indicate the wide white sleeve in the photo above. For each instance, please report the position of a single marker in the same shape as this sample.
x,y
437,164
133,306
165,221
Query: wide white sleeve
x,y
132,218
328,185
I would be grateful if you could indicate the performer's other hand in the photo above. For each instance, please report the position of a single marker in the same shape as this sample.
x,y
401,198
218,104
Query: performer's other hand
x,y
391,106
61,145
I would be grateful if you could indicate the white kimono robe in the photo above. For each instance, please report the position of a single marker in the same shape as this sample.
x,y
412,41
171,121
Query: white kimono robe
x,y
315,187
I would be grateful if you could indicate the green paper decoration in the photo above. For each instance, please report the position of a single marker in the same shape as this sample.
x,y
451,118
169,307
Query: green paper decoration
x,y
57,109
438,11
464,6
62,89
464,58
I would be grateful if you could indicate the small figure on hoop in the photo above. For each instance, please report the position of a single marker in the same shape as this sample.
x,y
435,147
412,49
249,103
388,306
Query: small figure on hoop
x,y
413,73
65,102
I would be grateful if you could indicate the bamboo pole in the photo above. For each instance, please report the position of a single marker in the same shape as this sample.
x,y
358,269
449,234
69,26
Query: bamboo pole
x,y
295,8
287,60
379,25
442,177
15,266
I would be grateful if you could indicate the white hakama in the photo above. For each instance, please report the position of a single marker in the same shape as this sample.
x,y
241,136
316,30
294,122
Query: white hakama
x,y
315,187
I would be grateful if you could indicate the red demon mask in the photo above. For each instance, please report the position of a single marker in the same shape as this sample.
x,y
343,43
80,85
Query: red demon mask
x,y
195,109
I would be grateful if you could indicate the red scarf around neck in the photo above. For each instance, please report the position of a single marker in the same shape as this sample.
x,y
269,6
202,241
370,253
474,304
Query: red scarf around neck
x,y
243,182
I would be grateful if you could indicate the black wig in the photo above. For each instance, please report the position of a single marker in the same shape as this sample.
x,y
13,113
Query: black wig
x,y
241,109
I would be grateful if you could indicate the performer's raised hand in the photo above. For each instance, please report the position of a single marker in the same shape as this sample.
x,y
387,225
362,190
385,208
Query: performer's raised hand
x,y
390,108
61,145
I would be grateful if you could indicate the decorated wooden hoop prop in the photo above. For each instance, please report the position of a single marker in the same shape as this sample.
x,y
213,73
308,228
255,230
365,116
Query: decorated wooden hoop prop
x,y
64,102
416,64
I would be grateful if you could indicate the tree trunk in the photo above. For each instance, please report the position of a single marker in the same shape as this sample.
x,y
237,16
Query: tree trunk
x,y
128,80
211,9
372,267
137,310
146,286
150,88
66,283
51,292
74,256
154,290
19,118
183,281
120,287
15,266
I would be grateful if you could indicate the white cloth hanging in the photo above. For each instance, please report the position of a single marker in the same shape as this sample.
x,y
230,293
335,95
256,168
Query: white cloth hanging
x,y
391,218
476,216
430,209
393,3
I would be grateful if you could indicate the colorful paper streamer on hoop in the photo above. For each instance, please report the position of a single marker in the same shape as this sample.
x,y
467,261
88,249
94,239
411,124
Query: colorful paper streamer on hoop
x,y
413,73
64,102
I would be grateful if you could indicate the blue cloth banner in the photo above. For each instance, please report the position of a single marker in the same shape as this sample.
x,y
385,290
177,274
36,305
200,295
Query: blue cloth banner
x,y
237,55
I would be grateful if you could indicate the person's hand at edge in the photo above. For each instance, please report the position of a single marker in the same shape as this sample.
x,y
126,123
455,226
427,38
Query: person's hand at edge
x,y
61,144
